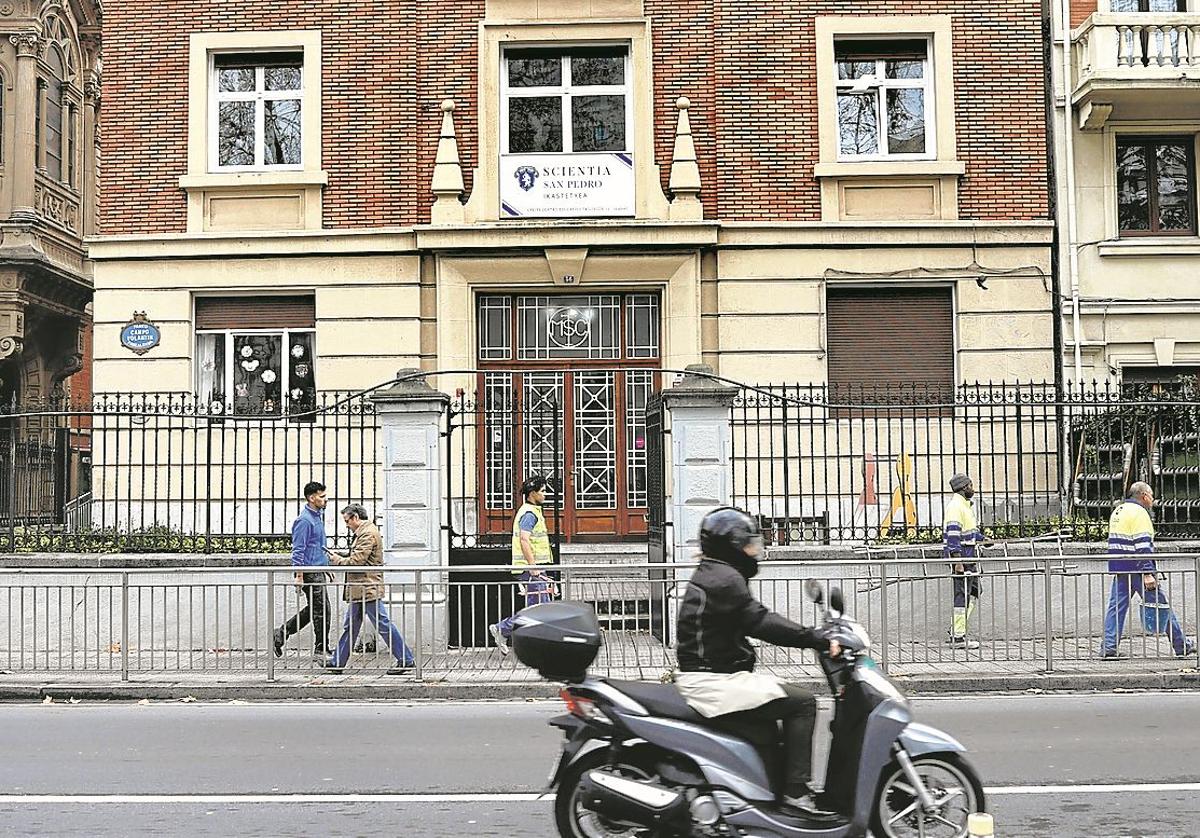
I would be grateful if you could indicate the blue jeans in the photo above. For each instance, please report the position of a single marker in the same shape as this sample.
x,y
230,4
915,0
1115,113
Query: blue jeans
x,y
536,592
1124,585
377,613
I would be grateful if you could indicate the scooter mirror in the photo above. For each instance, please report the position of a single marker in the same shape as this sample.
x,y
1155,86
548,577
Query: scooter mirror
x,y
814,591
836,602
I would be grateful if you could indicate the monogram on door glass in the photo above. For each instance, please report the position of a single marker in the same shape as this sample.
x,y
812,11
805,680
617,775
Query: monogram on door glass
x,y
565,383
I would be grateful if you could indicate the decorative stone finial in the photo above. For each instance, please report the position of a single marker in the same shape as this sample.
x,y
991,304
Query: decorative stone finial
x,y
447,173
685,173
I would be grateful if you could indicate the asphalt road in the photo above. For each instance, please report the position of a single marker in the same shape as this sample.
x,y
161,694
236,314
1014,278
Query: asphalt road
x,y
471,769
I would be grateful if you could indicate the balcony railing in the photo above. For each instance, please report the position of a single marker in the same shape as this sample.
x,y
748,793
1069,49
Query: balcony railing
x,y
1137,46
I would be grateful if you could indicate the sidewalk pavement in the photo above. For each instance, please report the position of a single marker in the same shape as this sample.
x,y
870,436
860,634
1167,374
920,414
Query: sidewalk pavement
x,y
367,680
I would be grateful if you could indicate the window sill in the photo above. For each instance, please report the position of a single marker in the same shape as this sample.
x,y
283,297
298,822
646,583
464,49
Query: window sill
x,y
232,180
1148,246
892,168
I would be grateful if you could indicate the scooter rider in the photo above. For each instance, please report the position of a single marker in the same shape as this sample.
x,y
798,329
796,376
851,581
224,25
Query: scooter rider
x,y
716,661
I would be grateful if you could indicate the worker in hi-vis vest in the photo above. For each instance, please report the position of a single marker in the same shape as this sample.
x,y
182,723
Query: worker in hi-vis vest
x,y
530,548
962,536
1131,561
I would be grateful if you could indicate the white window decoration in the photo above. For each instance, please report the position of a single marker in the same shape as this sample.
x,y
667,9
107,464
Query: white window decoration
x,y
256,111
256,372
884,99
571,100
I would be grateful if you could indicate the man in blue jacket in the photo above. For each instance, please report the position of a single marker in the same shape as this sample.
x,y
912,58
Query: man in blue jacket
x,y
1131,561
308,553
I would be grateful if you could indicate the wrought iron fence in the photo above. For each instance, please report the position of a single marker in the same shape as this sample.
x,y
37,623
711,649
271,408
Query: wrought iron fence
x,y
819,464
165,473
1035,612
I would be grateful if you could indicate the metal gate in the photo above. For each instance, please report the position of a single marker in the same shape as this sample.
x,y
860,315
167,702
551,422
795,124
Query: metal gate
x,y
659,547
656,489
490,439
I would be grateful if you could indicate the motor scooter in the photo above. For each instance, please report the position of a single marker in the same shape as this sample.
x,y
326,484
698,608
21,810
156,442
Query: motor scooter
x,y
638,761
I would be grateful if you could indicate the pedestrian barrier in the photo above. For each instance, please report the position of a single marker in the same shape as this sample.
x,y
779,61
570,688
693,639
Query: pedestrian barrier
x,y
1037,611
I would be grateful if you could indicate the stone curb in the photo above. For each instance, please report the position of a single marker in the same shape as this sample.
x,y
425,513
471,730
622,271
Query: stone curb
x,y
404,690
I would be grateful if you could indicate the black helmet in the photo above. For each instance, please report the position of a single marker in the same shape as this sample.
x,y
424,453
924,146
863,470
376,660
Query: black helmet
x,y
725,533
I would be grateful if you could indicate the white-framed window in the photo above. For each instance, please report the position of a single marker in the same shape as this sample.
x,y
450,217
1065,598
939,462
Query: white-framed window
x,y
256,356
885,99
567,100
256,111
1151,6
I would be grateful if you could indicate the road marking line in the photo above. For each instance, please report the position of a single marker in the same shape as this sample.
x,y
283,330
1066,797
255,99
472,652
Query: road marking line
x,y
1093,788
499,797
503,797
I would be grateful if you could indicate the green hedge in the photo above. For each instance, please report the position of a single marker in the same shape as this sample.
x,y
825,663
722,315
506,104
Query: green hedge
x,y
153,539
1074,529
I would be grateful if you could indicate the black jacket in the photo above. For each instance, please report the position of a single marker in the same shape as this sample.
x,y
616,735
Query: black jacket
x,y
718,614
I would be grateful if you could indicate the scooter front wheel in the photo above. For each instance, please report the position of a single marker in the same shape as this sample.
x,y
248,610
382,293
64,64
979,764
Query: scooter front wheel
x,y
956,792
574,820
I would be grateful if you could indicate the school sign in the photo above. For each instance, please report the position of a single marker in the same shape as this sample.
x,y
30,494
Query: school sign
x,y
566,185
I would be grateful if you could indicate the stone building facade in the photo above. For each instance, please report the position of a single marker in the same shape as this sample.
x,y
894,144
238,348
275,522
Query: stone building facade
x,y
1127,152
49,104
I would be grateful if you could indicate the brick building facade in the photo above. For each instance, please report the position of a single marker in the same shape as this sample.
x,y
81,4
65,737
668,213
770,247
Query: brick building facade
x,y
747,67
723,182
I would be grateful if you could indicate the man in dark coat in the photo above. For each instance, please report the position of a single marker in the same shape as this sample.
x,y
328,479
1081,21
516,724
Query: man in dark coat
x,y
716,661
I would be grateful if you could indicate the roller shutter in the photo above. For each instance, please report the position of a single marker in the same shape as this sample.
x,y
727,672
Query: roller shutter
x,y
895,342
264,312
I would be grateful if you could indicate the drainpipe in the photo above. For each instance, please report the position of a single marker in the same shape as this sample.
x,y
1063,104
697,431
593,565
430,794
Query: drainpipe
x,y
1069,165
1052,201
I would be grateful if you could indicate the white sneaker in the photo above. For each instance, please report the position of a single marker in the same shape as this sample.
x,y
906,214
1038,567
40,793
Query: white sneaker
x,y
501,642
964,643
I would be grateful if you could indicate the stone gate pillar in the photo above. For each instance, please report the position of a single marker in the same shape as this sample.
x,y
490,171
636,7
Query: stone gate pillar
x,y
410,424
701,454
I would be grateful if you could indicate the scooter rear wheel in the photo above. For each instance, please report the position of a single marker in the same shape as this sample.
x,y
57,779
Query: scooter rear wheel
x,y
575,821
956,791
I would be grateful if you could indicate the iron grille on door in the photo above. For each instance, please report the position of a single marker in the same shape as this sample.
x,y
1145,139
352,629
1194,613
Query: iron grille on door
x,y
566,380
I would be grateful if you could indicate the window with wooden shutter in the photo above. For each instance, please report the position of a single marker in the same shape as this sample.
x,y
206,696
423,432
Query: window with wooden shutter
x,y
267,312
890,346
255,355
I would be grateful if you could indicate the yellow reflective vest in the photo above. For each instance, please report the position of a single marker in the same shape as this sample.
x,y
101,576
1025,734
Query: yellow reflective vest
x,y
540,538
1130,532
960,529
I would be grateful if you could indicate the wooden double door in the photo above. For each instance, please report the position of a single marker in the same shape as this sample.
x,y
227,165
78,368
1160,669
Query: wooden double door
x,y
568,403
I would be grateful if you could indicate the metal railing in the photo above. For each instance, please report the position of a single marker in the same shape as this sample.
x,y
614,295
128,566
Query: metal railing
x,y
867,464
165,473
1038,611
161,473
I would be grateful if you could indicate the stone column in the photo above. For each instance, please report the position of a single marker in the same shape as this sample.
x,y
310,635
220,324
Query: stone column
x,y
25,160
701,453
410,424
12,313
89,140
